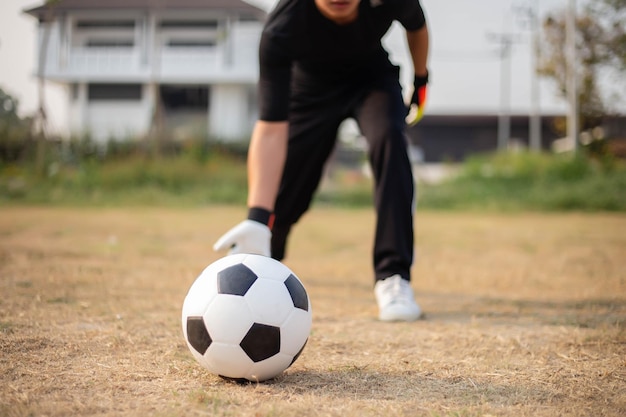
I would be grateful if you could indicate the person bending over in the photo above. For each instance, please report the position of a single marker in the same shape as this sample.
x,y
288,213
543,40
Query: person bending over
x,y
321,62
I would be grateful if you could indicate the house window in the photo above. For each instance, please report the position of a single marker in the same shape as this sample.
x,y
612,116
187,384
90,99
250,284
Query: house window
x,y
114,92
182,97
248,18
188,24
106,33
105,24
191,43
189,33
109,43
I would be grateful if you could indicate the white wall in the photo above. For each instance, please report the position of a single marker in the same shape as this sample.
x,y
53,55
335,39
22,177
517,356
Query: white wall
x,y
104,120
229,114
119,120
245,41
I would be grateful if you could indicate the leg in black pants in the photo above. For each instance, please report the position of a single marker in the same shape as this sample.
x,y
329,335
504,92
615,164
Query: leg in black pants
x,y
311,140
381,120
380,113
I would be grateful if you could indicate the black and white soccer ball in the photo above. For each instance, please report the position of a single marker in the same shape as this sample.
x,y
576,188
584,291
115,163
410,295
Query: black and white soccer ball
x,y
246,317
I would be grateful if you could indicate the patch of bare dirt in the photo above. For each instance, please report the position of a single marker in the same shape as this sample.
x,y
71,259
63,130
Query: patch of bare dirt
x,y
525,316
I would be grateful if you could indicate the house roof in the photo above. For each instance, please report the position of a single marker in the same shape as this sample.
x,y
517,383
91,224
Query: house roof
x,y
81,5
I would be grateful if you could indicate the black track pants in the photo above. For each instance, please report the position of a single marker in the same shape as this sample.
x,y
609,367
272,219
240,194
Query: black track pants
x,y
313,123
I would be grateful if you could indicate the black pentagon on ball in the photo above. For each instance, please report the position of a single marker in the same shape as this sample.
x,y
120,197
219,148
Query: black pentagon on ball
x,y
240,381
299,352
297,292
197,334
235,280
261,342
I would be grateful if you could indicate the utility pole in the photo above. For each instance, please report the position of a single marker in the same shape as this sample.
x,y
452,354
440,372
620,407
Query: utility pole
x,y
572,89
529,17
504,117
535,100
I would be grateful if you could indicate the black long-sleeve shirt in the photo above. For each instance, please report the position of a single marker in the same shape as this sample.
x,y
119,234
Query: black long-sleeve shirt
x,y
301,48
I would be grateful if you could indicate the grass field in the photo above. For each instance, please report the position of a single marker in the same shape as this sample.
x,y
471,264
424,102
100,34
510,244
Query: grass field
x,y
525,316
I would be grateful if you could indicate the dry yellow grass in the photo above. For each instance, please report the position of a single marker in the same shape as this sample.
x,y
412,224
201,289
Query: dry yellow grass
x,y
525,316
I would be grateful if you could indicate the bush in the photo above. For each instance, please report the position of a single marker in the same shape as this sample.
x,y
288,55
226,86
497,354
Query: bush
x,y
200,172
507,181
80,172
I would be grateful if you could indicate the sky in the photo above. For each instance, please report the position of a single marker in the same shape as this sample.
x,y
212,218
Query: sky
x,y
465,65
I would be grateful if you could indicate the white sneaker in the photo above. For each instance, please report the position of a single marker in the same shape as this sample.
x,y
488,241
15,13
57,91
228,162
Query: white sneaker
x,y
394,296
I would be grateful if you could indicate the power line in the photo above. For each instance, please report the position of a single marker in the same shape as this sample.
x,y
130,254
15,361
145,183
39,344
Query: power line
x,y
465,55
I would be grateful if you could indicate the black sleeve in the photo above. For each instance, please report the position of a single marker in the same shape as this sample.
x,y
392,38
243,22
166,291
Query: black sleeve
x,y
410,14
274,78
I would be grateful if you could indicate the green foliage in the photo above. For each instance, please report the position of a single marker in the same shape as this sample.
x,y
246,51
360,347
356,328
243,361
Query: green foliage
x,y
612,14
80,172
600,43
14,130
530,181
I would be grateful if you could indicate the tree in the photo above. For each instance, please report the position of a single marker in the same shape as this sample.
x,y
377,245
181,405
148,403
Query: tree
x,y
612,16
41,119
600,43
14,130
8,107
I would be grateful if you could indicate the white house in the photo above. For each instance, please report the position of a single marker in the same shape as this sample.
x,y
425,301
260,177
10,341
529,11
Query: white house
x,y
190,65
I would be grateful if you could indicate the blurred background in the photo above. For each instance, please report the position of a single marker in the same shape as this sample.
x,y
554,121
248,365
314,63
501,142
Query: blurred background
x,y
89,80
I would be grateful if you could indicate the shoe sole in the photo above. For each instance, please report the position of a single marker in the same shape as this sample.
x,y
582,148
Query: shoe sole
x,y
395,316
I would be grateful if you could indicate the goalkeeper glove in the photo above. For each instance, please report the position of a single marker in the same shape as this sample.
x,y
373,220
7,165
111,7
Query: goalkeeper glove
x,y
252,235
418,100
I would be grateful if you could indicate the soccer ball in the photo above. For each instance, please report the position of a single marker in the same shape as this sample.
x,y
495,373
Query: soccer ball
x,y
246,317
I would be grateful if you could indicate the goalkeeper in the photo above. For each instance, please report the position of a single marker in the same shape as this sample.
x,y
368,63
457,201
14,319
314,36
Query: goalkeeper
x,y
322,61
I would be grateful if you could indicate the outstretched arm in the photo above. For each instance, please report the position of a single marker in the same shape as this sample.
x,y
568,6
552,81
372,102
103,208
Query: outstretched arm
x,y
267,151
266,159
419,42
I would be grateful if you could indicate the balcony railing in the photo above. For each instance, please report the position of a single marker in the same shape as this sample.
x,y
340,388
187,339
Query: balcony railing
x,y
103,61
174,64
203,63
233,57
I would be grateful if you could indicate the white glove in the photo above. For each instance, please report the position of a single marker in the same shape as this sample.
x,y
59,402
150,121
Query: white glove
x,y
249,236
